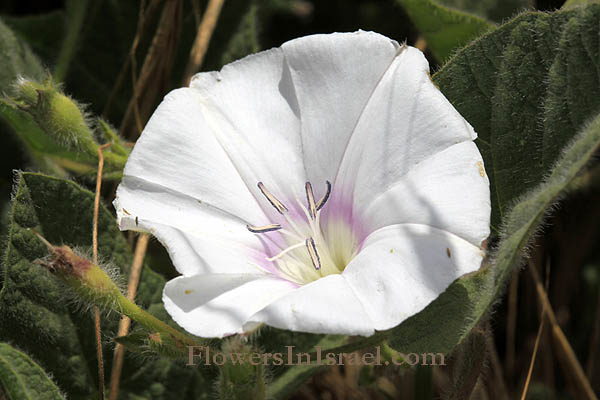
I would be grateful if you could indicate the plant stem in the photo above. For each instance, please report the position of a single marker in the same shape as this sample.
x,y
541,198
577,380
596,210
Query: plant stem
x,y
97,327
152,323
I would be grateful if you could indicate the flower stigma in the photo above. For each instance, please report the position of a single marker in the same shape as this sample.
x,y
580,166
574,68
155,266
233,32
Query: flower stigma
x,y
307,254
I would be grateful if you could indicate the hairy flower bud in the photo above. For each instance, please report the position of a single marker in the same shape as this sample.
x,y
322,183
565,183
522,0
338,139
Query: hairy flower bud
x,y
88,280
57,114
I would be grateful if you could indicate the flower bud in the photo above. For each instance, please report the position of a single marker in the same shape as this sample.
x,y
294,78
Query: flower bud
x,y
90,282
57,114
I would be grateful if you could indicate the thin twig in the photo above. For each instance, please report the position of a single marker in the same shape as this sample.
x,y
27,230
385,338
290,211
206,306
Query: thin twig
x,y
569,358
135,96
594,340
534,355
511,324
152,79
95,260
134,278
205,31
144,16
97,202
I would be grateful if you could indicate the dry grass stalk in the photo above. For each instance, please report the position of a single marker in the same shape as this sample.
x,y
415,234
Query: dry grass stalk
x,y
95,261
569,361
154,74
134,279
205,31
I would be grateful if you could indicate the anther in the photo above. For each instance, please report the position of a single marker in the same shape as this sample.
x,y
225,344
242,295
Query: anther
x,y
310,199
322,202
263,229
312,251
272,199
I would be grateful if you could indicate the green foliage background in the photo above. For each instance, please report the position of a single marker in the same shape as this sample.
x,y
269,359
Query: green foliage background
x,y
528,82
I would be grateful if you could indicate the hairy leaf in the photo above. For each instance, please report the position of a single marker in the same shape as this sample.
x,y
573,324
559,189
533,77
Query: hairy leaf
x,y
22,379
37,313
501,84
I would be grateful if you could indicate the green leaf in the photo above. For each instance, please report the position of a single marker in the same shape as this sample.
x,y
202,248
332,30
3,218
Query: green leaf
x,y
136,341
576,3
444,29
22,379
505,84
573,81
502,84
37,313
491,9
16,58
76,11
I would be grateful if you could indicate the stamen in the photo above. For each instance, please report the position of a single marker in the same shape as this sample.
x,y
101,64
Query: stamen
x,y
272,199
263,229
310,199
322,202
312,251
284,252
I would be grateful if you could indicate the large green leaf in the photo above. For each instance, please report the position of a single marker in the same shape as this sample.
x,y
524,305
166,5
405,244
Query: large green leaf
x,y
36,312
503,84
507,84
444,29
22,379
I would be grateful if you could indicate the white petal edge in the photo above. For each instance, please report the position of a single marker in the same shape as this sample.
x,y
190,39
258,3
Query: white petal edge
x,y
403,268
218,305
327,305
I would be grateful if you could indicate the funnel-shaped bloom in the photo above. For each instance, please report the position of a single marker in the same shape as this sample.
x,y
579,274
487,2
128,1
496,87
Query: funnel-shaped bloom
x,y
324,186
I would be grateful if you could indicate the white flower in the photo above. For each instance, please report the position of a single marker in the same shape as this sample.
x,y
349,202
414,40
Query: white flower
x,y
396,208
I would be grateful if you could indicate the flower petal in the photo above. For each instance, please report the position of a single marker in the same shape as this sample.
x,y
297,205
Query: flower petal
x,y
218,305
406,120
448,190
334,76
250,108
178,151
200,238
403,268
327,305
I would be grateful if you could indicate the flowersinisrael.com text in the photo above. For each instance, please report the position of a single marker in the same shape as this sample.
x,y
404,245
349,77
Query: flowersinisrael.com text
x,y
204,355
